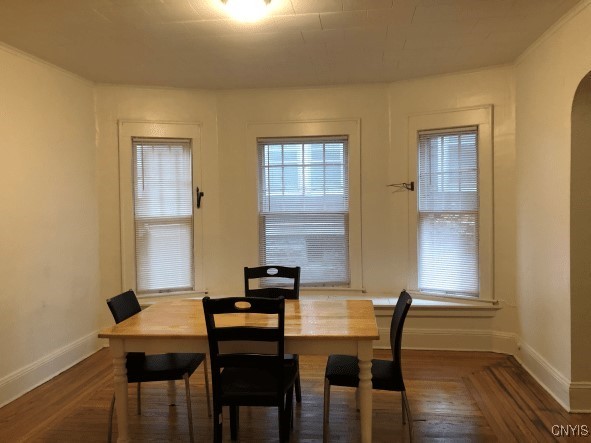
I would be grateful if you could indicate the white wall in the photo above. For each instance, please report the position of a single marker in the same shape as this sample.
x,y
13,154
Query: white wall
x,y
238,174
230,185
445,93
546,79
49,224
114,103
229,167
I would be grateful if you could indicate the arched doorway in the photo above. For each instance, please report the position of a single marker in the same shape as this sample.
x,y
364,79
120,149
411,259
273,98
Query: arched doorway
x,y
580,244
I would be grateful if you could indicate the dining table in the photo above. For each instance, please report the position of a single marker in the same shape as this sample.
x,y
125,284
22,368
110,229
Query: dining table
x,y
312,327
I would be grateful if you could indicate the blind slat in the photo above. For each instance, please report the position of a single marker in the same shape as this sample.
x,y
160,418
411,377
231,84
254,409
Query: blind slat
x,y
304,207
448,218
163,206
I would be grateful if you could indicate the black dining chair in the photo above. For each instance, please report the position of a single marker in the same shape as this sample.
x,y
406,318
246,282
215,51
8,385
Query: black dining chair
x,y
343,370
273,282
160,367
243,377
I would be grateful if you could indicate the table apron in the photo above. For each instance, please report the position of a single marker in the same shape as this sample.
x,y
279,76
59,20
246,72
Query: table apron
x,y
292,346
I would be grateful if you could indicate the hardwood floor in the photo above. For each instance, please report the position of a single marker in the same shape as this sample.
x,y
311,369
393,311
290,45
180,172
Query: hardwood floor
x,y
454,396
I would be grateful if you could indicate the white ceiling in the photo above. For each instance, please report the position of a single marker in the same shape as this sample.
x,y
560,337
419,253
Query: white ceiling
x,y
193,44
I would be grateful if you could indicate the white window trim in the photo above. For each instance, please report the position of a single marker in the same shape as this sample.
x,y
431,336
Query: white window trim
x,y
483,118
127,130
350,128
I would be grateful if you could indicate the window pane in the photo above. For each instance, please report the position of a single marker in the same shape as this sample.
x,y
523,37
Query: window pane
x,y
314,153
292,154
334,179
304,208
448,173
164,254
334,153
448,253
163,207
162,181
275,155
275,180
292,181
315,180
448,211
319,244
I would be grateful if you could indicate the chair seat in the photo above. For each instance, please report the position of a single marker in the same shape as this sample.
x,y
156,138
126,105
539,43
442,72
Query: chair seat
x,y
253,386
161,367
343,370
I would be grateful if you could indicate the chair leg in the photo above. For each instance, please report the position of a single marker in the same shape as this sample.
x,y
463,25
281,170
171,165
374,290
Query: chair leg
x,y
403,405
290,416
189,410
171,392
291,408
326,410
408,414
234,422
281,421
206,375
139,398
217,422
284,415
109,435
298,389
298,385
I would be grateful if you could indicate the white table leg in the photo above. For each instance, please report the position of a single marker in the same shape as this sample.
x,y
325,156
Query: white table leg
x,y
120,385
365,354
171,393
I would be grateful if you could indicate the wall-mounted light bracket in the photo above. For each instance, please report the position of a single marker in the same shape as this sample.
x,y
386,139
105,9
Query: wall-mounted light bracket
x,y
403,186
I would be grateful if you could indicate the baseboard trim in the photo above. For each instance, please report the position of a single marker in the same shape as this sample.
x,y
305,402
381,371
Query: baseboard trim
x,y
572,396
29,377
580,397
552,380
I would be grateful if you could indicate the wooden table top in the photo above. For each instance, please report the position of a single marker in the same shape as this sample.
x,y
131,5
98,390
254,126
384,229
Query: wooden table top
x,y
312,319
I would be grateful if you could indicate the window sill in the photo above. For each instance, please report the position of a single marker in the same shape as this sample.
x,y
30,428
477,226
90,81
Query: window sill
x,y
147,300
422,306
425,306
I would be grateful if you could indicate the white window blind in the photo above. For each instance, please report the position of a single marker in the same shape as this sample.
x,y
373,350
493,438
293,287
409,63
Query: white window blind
x,y
448,215
163,207
304,207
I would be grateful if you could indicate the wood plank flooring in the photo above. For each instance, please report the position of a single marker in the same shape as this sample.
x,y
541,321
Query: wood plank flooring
x,y
454,396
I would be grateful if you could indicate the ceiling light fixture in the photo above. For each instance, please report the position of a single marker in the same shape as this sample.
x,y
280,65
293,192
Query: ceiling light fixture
x,y
247,10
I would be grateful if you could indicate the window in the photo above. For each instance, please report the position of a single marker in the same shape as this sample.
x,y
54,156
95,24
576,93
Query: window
x,y
163,209
161,236
448,211
451,217
304,207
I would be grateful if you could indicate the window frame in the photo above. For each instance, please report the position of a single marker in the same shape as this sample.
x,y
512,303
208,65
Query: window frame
x,y
171,130
482,118
323,128
303,193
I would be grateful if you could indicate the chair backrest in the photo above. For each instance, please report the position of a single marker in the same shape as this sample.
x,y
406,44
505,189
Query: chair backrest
x,y
268,326
281,274
124,306
397,324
